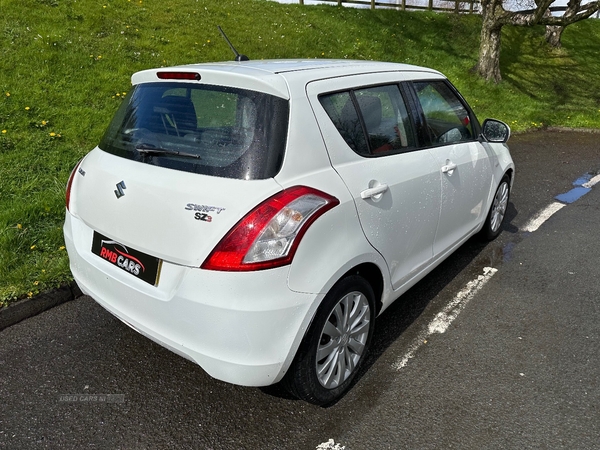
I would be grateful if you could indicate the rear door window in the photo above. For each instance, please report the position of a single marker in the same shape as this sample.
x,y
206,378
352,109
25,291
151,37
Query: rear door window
x,y
212,130
373,120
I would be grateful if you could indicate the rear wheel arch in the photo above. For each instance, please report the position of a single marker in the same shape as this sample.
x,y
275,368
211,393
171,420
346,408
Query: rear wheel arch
x,y
372,274
335,344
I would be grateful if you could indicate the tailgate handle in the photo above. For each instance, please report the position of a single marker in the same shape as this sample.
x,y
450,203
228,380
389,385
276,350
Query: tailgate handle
x,y
374,192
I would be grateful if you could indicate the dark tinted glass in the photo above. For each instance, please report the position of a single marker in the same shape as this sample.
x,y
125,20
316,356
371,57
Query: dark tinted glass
x,y
384,116
341,111
212,130
386,119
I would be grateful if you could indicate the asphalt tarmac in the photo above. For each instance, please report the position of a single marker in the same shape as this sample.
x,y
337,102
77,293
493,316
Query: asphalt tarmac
x,y
516,367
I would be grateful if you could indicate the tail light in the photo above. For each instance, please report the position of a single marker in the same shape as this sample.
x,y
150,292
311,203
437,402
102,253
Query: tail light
x,y
70,185
268,236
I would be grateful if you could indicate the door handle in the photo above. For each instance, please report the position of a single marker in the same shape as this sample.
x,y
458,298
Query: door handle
x,y
374,192
449,167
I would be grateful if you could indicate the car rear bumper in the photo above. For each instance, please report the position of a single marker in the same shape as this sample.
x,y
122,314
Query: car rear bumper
x,y
243,332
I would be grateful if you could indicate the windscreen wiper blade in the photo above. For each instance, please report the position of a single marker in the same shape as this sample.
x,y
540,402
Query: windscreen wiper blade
x,y
151,150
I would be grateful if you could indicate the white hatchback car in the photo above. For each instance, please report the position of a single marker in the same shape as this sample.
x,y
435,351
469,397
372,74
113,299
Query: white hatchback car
x,y
255,217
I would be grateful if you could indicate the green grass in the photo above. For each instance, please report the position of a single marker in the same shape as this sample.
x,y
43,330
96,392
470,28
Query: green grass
x,y
64,66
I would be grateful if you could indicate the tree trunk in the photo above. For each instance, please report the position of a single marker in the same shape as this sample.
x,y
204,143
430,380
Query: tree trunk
x,y
553,35
488,65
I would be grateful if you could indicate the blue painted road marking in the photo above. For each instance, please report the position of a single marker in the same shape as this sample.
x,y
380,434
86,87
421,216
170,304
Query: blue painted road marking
x,y
578,191
573,195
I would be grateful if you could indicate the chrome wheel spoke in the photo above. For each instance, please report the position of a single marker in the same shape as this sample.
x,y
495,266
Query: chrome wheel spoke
x,y
327,371
356,346
347,308
331,330
358,311
326,350
349,363
340,316
361,323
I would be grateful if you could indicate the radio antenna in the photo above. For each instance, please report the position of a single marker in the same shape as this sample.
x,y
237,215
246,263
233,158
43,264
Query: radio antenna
x,y
238,57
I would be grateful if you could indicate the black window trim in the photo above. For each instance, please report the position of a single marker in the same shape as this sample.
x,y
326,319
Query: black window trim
x,y
415,112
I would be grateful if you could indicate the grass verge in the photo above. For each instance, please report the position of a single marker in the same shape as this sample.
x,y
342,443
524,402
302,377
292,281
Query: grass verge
x,y
65,65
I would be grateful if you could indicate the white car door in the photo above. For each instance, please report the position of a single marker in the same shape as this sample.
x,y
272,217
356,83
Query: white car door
x,y
463,162
396,186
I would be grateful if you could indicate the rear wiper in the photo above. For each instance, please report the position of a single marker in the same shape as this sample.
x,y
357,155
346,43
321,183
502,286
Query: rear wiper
x,y
148,149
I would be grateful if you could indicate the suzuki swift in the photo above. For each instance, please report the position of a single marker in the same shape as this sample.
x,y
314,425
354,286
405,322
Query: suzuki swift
x,y
256,217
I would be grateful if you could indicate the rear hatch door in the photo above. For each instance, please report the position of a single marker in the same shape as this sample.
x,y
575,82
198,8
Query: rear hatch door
x,y
173,215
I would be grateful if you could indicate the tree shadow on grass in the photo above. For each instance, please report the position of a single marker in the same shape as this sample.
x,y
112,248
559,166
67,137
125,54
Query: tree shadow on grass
x,y
559,79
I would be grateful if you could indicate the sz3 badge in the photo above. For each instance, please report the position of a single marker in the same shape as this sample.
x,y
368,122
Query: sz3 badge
x,y
202,212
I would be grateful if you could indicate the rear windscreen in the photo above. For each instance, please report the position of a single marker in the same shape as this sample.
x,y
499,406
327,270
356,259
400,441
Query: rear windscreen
x,y
211,130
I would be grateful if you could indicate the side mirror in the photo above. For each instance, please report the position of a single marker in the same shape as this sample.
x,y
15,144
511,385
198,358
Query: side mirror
x,y
494,130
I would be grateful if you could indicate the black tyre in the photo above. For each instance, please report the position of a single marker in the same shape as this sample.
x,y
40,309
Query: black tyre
x,y
493,223
336,343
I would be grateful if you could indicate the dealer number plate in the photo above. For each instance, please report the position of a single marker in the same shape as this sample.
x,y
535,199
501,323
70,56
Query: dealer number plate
x,y
134,262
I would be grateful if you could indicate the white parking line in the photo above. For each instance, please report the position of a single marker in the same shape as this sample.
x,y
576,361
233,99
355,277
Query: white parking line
x,y
443,319
330,445
544,215
592,182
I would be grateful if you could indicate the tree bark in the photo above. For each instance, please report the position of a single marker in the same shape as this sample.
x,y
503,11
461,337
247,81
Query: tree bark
x,y
488,65
553,35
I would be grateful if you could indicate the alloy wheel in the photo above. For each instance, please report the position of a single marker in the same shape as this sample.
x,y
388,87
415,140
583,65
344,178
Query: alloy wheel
x,y
499,207
343,340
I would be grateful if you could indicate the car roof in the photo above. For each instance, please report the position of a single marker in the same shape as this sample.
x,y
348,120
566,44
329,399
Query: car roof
x,y
272,76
